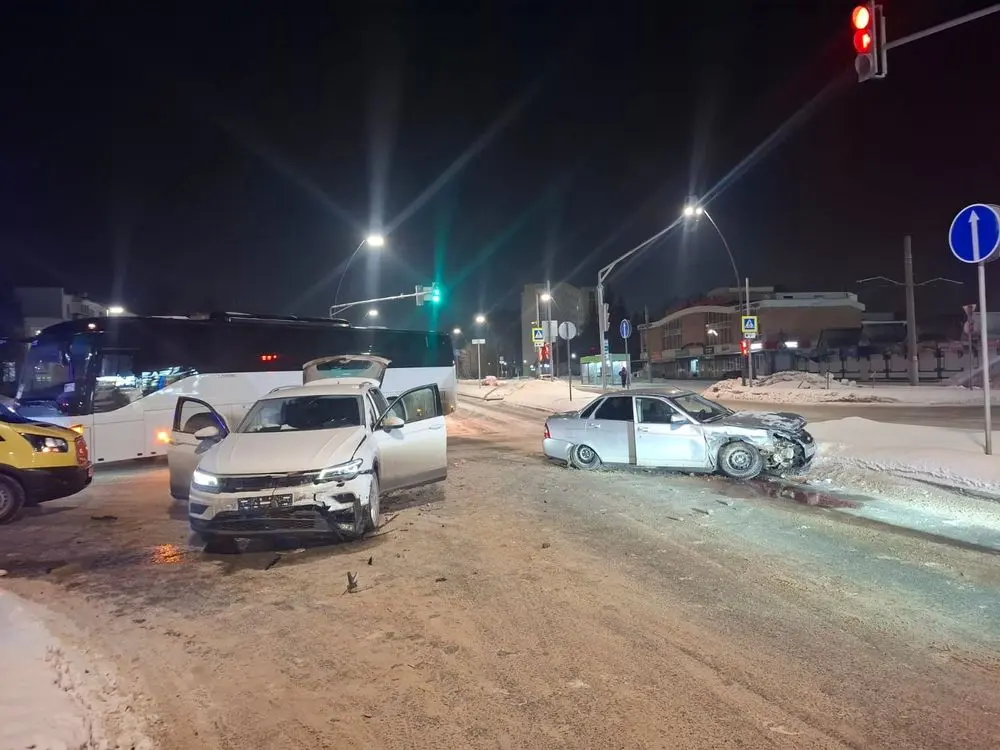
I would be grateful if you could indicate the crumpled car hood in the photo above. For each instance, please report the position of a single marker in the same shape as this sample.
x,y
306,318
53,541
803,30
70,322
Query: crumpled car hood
x,y
751,420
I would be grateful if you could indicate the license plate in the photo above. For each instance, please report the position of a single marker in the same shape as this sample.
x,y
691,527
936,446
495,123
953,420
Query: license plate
x,y
266,502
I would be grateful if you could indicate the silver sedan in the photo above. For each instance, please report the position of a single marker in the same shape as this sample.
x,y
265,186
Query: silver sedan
x,y
680,430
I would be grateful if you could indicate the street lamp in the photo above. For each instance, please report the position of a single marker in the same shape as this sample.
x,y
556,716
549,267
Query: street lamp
x,y
373,313
116,310
372,240
692,210
456,331
480,319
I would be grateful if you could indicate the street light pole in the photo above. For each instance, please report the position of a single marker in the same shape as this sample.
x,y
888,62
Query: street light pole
x,y
692,209
372,240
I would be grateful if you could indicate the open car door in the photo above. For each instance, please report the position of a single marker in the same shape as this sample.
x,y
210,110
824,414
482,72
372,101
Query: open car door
x,y
349,367
185,450
414,452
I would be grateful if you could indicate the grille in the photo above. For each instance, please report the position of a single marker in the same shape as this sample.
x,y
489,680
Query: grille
x,y
283,519
258,482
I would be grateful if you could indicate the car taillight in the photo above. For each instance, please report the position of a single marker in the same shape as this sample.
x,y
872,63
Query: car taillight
x,y
82,453
547,433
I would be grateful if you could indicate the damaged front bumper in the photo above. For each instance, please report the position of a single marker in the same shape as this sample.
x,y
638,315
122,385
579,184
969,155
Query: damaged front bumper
x,y
789,452
330,509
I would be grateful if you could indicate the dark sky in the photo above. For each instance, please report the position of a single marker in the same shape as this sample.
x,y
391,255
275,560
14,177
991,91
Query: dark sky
x,y
223,152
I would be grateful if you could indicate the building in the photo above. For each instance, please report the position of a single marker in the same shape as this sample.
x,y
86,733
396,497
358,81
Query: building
x,y
43,306
569,303
702,338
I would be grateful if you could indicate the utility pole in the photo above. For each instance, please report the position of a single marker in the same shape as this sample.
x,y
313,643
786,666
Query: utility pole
x,y
645,345
750,350
911,312
550,335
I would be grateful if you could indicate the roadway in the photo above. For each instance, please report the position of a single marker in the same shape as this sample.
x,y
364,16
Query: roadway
x,y
522,604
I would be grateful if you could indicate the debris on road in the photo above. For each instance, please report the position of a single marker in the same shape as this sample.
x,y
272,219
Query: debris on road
x,y
546,545
704,511
104,518
352,583
272,562
440,579
371,560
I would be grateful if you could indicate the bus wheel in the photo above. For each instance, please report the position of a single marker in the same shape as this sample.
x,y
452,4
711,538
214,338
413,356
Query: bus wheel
x,y
11,499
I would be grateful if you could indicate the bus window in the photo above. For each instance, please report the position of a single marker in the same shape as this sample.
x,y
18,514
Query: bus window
x,y
117,384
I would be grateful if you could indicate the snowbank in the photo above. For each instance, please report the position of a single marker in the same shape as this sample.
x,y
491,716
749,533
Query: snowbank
x,y
543,395
881,450
792,387
47,700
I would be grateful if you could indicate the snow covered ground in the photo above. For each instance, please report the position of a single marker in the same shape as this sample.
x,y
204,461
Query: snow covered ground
x,y
809,388
49,698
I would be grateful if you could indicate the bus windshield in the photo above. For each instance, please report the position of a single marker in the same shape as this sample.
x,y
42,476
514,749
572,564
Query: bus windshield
x,y
55,370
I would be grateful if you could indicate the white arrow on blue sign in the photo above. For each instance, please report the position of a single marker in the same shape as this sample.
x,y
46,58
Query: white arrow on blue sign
x,y
974,235
625,328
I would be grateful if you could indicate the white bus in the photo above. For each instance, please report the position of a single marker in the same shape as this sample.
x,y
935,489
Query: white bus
x,y
117,380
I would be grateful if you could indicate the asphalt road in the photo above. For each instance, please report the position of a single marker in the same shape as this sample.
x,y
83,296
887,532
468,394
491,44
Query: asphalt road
x,y
522,604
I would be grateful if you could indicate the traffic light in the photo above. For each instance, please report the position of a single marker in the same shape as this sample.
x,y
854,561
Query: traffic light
x,y
868,23
745,347
431,294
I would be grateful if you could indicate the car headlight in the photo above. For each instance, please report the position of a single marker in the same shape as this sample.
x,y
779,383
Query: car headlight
x,y
43,444
340,472
204,481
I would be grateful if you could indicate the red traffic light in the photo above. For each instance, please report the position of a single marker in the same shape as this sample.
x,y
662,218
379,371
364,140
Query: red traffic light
x,y
862,41
861,18
744,347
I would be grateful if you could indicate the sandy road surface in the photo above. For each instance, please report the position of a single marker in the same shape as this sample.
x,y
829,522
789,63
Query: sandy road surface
x,y
524,605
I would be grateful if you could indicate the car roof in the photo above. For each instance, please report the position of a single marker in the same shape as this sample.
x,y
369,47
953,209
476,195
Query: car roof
x,y
665,392
331,387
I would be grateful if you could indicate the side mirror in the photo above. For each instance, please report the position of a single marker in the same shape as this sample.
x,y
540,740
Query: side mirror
x,y
207,433
391,422
676,418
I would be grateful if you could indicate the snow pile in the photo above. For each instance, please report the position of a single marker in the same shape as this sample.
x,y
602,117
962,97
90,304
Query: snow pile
x,y
792,387
862,453
543,395
48,700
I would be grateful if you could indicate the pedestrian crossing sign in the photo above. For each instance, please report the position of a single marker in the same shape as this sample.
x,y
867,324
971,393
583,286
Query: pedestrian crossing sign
x,y
538,336
750,326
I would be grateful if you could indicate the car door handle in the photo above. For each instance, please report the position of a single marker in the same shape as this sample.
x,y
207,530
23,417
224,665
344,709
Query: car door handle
x,y
642,429
592,426
436,426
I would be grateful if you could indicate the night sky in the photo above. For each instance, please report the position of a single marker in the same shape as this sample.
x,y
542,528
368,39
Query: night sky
x,y
225,154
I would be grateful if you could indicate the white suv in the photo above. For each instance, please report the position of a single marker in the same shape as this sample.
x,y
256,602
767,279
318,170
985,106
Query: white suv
x,y
310,460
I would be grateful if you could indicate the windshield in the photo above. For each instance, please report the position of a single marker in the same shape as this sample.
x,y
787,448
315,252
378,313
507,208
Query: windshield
x,y
55,371
299,413
701,408
8,415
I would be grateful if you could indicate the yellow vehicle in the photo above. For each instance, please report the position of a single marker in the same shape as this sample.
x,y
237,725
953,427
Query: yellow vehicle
x,y
38,462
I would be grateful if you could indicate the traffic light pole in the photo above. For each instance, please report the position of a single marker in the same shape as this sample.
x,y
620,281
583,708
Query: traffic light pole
x,y
974,16
336,309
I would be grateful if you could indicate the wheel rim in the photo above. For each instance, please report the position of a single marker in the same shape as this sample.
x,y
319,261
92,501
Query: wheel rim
x,y
585,454
373,504
740,460
6,499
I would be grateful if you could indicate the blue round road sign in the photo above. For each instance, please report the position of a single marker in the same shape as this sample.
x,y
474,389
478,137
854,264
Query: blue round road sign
x,y
625,328
974,235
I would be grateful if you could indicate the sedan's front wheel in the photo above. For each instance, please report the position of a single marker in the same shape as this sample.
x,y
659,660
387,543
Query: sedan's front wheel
x,y
585,457
740,460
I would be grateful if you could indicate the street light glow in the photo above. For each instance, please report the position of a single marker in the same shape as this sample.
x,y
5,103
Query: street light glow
x,y
456,331
375,240
373,313
546,297
480,319
116,310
